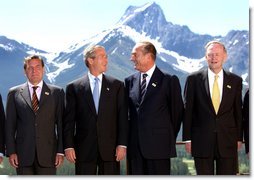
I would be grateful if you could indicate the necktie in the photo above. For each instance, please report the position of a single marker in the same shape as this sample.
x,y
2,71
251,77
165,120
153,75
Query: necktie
x,y
35,101
216,94
96,93
143,87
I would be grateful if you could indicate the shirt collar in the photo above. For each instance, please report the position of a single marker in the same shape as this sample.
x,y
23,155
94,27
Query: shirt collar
x,y
91,77
212,74
150,71
39,84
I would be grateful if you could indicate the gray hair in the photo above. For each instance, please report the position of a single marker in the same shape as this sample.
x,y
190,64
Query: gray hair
x,y
89,52
215,42
148,47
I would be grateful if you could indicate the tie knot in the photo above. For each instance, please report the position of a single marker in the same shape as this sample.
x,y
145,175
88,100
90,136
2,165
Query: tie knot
x,y
96,79
144,76
35,87
216,77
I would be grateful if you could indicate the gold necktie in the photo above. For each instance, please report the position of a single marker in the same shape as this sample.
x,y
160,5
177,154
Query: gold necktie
x,y
216,94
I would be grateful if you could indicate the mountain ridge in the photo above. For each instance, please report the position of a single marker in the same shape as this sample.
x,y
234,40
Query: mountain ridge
x,y
180,51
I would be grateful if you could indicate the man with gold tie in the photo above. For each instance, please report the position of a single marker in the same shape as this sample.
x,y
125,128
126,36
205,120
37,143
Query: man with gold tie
x,y
212,125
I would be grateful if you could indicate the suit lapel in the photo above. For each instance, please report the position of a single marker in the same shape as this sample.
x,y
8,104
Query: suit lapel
x,y
87,93
24,92
206,83
135,89
45,94
153,83
105,90
227,85
205,80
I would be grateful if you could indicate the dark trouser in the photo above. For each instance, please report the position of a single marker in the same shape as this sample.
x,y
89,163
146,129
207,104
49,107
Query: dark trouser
x,y
36,169
104,167
138,165
224,166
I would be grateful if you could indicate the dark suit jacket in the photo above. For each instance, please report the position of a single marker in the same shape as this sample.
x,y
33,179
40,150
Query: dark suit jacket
x,y
88,132
201,122
155,122
27,133
246,121
2,119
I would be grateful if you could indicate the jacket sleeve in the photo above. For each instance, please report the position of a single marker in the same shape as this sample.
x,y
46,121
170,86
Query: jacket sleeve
x,y
60,113
176,104
122,116
10,124
2,120
69,117
188,109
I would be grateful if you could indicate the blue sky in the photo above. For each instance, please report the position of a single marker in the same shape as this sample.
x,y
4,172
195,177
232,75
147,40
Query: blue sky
x,y
53,25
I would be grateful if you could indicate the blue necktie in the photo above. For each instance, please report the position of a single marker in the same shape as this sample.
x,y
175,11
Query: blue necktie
x,y
96,93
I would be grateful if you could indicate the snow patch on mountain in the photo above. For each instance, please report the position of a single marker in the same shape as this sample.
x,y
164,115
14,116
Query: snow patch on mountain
x,y
60,68
182,63
7,47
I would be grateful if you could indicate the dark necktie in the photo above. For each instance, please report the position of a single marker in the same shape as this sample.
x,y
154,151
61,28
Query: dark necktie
x,y
143,87
96,93
35,101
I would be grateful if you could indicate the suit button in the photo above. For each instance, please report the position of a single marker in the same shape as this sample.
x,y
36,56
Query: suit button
x,y
35,124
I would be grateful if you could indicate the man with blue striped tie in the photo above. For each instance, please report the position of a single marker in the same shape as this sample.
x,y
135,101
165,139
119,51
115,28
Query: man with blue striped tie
x,y
155,114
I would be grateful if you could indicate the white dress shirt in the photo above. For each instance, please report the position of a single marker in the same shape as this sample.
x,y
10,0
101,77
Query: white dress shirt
x,y
149,75
38,90
92,81
211,77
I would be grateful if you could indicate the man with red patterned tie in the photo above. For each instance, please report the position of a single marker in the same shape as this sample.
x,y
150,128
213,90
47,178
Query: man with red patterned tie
x,y
33,124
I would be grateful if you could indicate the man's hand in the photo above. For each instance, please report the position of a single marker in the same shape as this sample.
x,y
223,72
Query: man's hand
x,y
1,159
13,160
120,153
70,155
188,147
59,160
239,145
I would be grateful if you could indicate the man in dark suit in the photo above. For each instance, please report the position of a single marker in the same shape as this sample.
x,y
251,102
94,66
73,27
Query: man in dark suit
x,y
95,128
33,124
2,119
212,124
246,121
155,114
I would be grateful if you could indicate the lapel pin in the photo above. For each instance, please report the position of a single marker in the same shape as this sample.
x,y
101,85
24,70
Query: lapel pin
x,y
228,86
107,89
153,84
47,93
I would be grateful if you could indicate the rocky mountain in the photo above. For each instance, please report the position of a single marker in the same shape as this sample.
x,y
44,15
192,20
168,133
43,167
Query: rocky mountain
x,y
180,51
12,54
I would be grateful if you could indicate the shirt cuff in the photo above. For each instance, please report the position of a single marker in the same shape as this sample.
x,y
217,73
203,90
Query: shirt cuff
x,y
60,154
68,149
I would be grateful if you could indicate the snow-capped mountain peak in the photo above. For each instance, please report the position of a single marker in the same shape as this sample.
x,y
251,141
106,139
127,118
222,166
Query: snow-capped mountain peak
x,y
180,51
